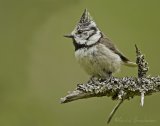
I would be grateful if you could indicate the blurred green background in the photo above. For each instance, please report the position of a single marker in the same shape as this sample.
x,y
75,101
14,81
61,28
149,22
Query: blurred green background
x,y
38,67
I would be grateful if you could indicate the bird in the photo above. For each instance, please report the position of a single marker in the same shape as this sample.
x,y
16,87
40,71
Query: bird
x,y
95,52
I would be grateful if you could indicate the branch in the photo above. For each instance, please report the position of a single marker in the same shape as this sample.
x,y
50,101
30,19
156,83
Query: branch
x,y
119,88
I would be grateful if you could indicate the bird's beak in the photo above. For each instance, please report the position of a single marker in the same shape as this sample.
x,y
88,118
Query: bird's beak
x,y
69,36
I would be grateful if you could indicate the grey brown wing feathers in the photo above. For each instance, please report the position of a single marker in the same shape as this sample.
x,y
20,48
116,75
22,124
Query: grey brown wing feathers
x,y
107,42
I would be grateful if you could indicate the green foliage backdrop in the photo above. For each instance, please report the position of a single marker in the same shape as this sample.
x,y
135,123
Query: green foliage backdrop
x,y
38,67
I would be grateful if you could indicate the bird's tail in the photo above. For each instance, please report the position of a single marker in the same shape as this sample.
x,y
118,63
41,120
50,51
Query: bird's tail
x,y
130,64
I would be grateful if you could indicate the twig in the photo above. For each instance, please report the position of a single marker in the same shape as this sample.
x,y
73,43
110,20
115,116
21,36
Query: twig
x,y
114,110
142,99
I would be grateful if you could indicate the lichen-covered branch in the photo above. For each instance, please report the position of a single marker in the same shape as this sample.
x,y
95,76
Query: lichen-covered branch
x,y
118,88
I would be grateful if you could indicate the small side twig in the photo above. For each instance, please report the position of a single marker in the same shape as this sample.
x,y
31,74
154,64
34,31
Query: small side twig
x,y
114,110
142,99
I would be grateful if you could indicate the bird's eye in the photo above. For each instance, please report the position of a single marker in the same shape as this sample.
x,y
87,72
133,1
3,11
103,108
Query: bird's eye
x,y
93,28
80,31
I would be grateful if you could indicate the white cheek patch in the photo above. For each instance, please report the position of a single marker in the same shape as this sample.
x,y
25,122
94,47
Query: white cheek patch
x,y
93,39
80,41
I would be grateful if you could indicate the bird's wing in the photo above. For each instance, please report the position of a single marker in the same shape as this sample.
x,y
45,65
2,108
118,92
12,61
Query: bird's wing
x,y
108,43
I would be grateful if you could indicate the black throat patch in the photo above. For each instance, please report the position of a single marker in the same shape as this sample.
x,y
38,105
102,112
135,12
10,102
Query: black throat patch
x,y
80,46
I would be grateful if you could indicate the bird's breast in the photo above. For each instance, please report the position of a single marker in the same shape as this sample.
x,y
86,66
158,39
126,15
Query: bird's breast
x,y
98,60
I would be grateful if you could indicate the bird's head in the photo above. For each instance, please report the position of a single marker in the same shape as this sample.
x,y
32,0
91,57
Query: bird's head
x,y
86,31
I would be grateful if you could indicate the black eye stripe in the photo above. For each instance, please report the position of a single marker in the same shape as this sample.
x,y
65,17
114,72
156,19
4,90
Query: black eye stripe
x,y
82,30
91,35
79,31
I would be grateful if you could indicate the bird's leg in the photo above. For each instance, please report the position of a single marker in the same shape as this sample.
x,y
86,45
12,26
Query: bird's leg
x,y
109,74
93,79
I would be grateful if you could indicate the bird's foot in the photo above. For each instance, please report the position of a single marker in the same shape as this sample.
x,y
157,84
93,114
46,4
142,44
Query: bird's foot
x,y
94,79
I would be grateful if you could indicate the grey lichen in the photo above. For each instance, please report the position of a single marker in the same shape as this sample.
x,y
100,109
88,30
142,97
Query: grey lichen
x,y
118,88
142,64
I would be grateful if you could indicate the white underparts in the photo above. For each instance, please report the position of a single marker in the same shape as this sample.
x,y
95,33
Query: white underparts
x,y
98,60
93,39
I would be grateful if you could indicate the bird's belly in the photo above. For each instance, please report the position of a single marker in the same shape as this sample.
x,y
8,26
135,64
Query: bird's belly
x,y
98,60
